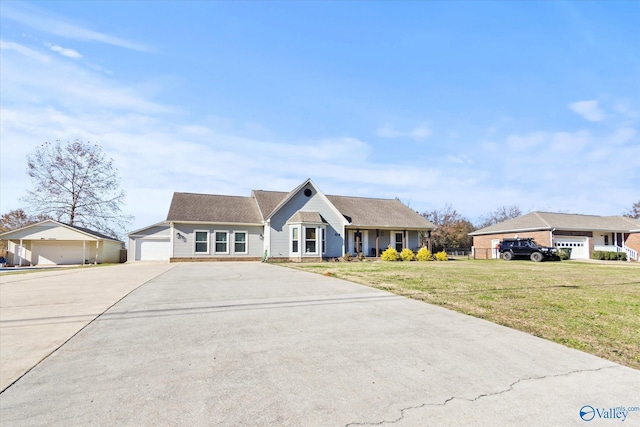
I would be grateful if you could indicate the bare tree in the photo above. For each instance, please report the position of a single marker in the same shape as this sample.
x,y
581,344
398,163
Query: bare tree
x,y
452,229
634,212
18,218
500,215
77,184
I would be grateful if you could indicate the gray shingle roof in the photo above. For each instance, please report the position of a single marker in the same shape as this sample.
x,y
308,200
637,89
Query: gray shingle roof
x,y
562,221
192,207
308,217
268,200
365,212
92,232
360,211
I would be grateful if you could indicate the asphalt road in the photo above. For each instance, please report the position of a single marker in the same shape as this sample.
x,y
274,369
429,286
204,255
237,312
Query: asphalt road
x,y
237,344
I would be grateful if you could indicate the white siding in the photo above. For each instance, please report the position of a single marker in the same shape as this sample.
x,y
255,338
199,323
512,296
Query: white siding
x,y
109,251
49,231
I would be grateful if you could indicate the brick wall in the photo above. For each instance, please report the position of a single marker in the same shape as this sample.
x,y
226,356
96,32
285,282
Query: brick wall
x,y
482,244
633,241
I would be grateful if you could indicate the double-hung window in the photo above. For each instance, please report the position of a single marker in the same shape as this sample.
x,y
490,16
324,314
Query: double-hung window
x,y
310,243
240,242
222,242
295,240
202,242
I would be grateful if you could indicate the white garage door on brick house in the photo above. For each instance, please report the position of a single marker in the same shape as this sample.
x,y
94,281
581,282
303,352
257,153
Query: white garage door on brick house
x,y
579,246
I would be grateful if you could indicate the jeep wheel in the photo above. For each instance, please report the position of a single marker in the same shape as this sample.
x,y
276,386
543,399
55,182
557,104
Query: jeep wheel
x,y
536,256
508,256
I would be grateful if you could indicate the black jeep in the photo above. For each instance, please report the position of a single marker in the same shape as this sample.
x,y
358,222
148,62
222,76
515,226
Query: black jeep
x,y
526,247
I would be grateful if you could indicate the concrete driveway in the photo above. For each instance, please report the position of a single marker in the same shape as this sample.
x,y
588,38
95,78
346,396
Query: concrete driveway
x,y
256,344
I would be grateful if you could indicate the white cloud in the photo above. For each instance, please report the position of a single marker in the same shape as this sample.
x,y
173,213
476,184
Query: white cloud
x,y
23,50
622,135
526,142
418,133
69,53
588,110
70,85
569,142
40,20
387,131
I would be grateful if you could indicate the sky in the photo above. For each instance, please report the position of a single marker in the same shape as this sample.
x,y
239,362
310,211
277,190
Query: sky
x,y
476,105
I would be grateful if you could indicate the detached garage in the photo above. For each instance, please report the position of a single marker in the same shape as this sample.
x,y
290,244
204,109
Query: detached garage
x,y
54,243
150,243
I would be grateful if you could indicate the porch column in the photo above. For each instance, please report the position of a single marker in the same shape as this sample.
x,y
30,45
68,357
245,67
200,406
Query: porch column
x,y
20,249
171,235
95,261
405,239
84,251
377,243
357,239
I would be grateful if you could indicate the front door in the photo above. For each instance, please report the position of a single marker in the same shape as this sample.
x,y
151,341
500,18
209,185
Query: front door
x,y
399,241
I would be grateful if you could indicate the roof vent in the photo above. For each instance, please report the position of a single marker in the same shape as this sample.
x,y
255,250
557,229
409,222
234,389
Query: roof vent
x,y
307,192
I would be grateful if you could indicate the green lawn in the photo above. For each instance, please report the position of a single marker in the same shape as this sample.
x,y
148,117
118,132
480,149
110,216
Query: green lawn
x,y
592,307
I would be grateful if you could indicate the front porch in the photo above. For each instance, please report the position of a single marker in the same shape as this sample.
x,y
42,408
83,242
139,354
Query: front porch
x,y
614,242
373,241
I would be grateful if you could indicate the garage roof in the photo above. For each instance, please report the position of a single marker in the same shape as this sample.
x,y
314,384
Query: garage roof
x,y
51,229
562,221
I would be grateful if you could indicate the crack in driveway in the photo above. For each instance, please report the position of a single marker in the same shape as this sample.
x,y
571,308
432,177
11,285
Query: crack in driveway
x,y
478,397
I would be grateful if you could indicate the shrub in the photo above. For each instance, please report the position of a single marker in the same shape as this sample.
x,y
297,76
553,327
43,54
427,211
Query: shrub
x,y
442,256
424,254
389,254
407,255
609,256
347,257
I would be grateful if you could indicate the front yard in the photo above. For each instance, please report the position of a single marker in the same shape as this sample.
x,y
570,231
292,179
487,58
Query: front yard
x,y
588,306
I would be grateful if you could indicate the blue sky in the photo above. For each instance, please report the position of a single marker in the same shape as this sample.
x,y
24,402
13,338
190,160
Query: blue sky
x,y
473,104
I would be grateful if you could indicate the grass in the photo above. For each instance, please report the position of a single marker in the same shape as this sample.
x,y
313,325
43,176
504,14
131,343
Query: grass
x,y
591,307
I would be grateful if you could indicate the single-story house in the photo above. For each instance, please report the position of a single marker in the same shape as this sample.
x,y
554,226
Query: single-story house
x,y
582,233
54,243
301,225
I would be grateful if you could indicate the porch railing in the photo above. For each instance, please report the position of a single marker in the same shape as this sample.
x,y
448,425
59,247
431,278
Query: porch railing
x,y
607,248
632,254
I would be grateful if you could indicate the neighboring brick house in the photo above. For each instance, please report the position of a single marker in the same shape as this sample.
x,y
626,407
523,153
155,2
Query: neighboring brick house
x,y
582,233
301,225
